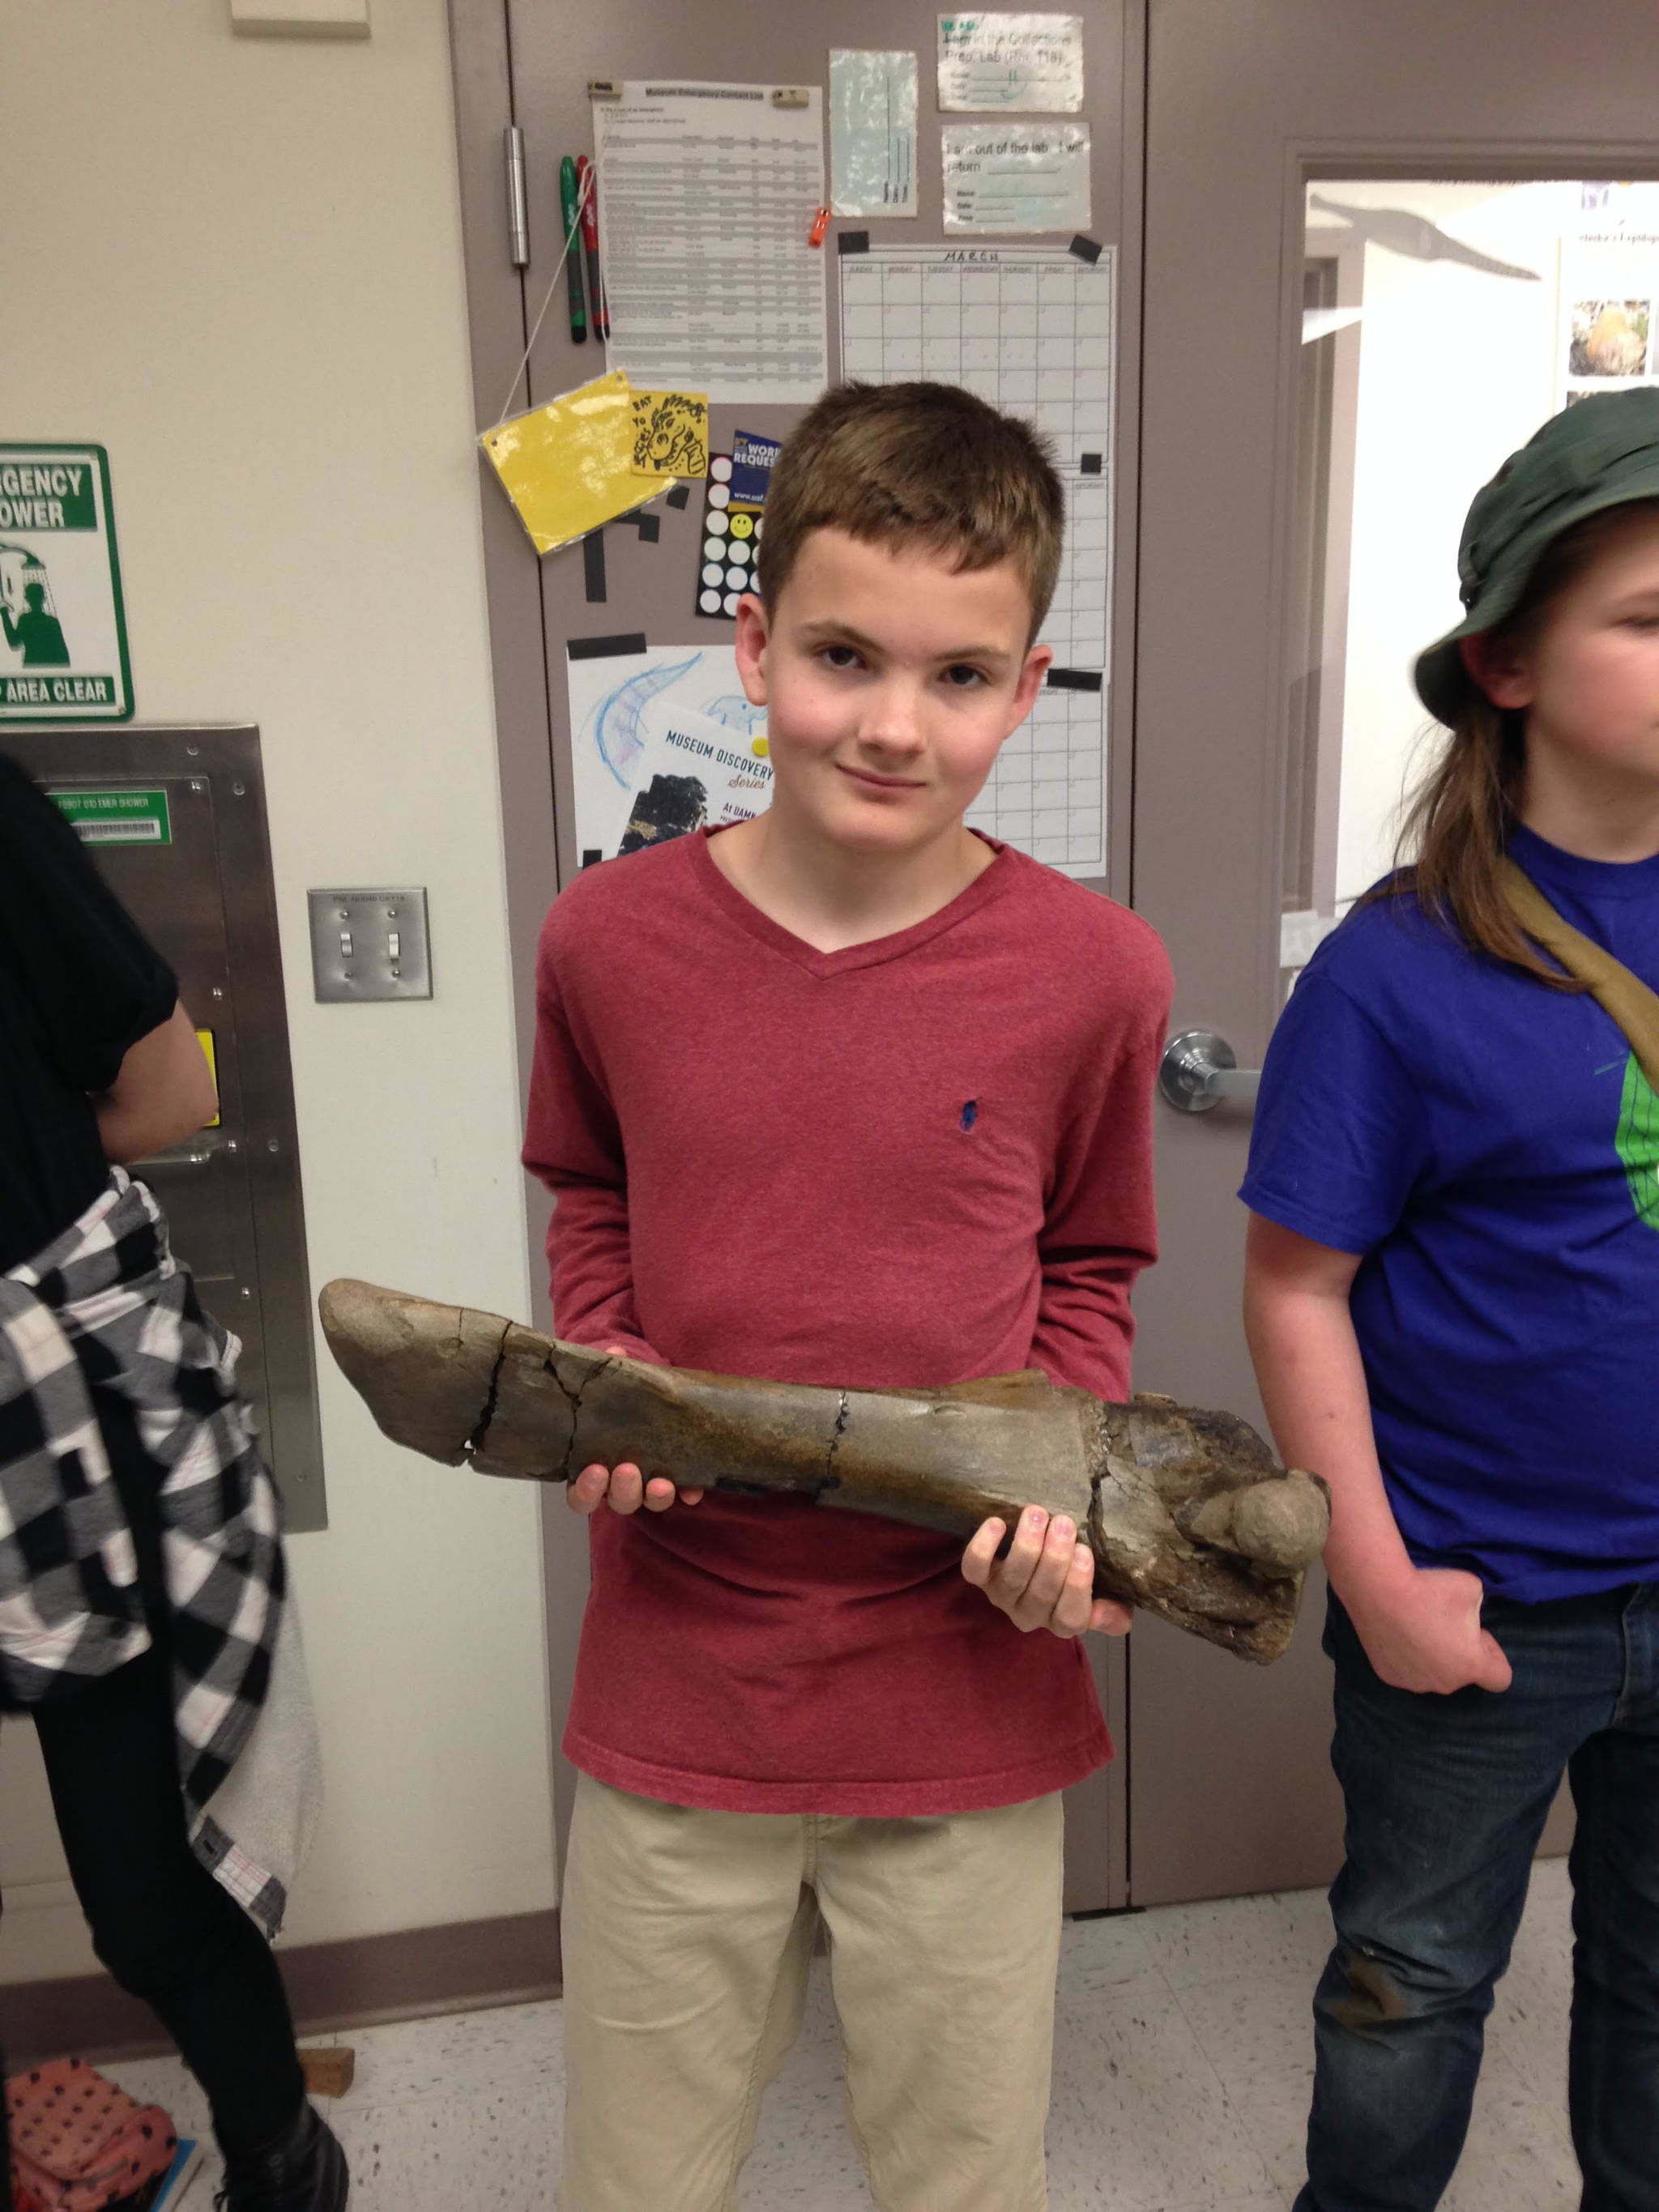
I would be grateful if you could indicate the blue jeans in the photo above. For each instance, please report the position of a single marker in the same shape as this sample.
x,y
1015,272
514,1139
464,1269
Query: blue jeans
x,y
1446,1798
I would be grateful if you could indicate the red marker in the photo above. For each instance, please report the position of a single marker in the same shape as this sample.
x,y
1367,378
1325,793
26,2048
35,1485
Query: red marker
x,y
588,191
820,224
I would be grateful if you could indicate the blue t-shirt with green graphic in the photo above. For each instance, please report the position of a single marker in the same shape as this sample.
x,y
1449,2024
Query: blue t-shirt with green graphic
x,y
1491,1147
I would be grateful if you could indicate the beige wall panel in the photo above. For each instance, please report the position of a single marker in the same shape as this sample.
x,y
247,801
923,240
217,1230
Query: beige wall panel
x,y
237,263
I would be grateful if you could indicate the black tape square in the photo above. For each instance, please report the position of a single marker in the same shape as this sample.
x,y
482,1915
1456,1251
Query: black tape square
x,y
1087,249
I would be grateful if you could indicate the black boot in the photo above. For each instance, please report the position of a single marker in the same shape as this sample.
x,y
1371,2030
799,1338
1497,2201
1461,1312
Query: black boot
x,y
303,2170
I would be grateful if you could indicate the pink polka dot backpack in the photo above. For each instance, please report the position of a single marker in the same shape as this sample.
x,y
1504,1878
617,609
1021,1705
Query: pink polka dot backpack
x,y
79,2144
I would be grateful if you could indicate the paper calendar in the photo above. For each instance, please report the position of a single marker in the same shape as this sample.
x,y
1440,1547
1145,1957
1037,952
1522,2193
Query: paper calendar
x,y
1032,330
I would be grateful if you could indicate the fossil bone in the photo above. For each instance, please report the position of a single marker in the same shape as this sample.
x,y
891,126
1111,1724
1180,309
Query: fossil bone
x,y
1186,1512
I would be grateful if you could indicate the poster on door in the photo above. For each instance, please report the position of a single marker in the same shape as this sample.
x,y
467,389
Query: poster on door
x,y
63,629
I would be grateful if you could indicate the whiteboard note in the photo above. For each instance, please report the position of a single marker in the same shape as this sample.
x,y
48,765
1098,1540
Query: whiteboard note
x,y
1031,65
1014,177
707,194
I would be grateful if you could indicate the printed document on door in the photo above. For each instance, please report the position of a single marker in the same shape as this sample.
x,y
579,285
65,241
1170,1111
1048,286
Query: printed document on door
x,y
707,194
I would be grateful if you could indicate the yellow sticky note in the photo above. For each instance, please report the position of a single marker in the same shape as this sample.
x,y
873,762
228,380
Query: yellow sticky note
x,y
670,433
567,467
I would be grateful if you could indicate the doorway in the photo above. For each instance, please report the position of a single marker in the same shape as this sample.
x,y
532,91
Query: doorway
x,y
1377,247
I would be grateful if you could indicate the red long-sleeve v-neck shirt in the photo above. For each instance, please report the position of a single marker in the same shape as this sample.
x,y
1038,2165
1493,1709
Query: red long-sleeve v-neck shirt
x,y
911,1162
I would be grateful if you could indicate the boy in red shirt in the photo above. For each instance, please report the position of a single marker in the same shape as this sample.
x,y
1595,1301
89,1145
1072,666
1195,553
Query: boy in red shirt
x,y
847,1094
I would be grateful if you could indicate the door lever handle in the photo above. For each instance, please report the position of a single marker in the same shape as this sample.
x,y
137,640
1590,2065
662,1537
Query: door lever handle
x,y
1199,1070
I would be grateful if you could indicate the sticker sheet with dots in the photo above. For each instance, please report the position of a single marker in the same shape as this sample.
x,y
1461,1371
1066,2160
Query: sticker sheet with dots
x,y
1033,330
732,526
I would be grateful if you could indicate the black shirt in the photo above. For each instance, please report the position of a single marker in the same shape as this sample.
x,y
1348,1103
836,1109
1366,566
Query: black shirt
x,y
78,986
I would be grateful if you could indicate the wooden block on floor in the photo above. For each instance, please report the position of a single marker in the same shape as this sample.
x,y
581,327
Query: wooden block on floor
x,y
329,2070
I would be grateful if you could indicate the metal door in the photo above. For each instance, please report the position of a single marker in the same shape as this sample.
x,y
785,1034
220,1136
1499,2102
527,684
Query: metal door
x,y
528,63
175,817
1288,142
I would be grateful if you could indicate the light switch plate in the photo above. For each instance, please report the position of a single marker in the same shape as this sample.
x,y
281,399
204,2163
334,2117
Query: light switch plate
x,y
370,945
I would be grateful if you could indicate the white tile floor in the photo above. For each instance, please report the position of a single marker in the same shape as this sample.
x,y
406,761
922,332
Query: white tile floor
x,y
1182,2064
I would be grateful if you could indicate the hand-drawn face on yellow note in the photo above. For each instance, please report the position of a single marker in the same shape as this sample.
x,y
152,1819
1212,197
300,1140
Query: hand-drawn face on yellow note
x,y
670,433
567,467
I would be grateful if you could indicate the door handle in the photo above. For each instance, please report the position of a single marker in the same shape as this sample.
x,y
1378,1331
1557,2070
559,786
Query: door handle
x,y
1199,1070
195,1151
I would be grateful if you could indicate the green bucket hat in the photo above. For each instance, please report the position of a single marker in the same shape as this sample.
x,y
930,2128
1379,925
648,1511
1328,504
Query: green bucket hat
x,y
1601,452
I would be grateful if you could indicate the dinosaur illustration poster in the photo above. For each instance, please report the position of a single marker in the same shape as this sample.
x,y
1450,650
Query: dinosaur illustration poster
x,y
620,702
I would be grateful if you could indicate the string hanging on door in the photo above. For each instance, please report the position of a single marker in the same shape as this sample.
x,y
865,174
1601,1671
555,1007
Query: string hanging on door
x,y
572,233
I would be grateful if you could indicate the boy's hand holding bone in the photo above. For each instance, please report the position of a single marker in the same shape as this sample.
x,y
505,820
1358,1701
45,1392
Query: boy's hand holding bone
x,y
1046,1578
624,1490
623,1487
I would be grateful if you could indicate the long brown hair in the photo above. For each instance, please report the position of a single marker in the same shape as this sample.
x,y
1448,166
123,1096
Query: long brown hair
x,y
1461,816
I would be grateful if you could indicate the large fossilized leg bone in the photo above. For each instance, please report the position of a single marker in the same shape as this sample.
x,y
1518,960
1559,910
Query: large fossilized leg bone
x,y
1186,1513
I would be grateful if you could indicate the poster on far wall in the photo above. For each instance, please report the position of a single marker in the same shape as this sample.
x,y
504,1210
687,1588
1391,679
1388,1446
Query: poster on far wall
x,y
1609,294
63,628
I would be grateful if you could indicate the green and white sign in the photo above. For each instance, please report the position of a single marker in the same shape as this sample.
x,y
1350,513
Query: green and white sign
x,y
63,628
115,817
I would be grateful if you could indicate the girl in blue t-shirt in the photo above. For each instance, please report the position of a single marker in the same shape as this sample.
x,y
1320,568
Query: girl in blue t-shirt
x,y
1452,1297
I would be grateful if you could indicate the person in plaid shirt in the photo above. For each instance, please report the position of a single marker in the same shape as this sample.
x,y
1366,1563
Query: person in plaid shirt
x,y
120,1421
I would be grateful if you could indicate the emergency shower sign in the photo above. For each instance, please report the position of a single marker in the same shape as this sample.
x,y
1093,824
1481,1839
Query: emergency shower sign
x,y
63,629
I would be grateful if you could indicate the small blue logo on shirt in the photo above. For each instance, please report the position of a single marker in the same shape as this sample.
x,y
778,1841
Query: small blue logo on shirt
x,y
970,1114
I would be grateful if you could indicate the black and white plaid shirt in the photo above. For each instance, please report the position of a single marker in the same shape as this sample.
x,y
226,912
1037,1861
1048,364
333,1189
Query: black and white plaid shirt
x,y
106,1302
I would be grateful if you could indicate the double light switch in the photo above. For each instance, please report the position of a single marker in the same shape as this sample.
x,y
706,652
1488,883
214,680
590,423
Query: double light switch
x,y
370,945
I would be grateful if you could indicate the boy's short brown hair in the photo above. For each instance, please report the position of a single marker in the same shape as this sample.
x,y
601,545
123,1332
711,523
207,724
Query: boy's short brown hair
x,y
917,465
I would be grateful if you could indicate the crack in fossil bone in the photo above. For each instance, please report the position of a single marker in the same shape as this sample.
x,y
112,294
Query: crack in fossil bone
x,y
573,1400
843,1414
480,1428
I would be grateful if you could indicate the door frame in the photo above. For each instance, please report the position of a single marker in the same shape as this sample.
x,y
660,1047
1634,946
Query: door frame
x,y
1313,161
498,331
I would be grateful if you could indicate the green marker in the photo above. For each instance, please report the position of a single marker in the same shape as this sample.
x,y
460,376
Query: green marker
x,y
573,249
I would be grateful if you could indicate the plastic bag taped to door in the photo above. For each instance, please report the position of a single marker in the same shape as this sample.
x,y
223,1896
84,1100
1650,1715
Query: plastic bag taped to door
x,y
568,467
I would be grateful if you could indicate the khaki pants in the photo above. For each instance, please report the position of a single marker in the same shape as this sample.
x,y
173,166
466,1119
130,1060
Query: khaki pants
x,y
687,1937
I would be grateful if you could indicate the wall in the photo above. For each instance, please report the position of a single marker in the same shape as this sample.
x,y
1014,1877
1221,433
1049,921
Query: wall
x,y
236,262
